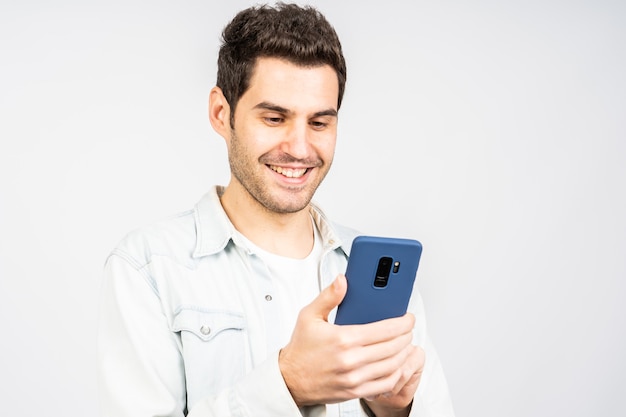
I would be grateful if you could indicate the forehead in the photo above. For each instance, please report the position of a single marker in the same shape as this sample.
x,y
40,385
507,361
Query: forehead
x,y
292,86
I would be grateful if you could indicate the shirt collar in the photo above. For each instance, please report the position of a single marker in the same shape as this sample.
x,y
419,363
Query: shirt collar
x,y
214,229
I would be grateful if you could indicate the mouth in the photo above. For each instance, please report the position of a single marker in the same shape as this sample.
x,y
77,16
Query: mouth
x,y
289,172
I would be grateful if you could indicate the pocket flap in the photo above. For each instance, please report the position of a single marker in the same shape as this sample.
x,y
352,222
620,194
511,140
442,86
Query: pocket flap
x,y
207,324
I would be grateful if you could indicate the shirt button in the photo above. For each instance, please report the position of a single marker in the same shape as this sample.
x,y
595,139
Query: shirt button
x,y
205,330
268,297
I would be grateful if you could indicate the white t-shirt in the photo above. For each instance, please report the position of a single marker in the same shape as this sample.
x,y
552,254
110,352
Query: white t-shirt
x,y
296,283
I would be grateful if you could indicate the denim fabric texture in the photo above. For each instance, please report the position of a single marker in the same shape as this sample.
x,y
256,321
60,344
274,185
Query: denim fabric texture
x,y
184,326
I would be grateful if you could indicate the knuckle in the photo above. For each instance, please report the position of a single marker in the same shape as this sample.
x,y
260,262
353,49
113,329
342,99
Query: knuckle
x,y
390,383
407,373
342,341
420,355
350,381
407,339
345,363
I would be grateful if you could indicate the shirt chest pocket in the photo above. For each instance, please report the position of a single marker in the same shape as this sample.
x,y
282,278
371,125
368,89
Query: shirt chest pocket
x,y
214,348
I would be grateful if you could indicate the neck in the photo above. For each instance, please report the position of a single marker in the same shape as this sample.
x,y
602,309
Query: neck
x,y
284,234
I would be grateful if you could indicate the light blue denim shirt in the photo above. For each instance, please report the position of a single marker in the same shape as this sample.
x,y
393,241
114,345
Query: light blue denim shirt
x,y
184,323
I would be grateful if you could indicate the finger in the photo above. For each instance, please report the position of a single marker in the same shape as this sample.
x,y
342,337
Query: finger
x,y
329,298
372,389
395,364
381,331
411,370
363,356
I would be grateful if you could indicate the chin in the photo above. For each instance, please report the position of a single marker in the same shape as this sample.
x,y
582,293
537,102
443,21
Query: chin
x,y
286,206
287,209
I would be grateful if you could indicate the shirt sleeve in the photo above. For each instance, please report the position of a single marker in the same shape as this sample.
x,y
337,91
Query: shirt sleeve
x,y
432,398
140,366
261,393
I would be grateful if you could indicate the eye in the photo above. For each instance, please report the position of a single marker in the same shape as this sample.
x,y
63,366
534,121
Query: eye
x,y
273,120
318,125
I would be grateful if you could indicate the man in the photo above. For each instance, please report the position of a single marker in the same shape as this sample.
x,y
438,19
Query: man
x,y
226,310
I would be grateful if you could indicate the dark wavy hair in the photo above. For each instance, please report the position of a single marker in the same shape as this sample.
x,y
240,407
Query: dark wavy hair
x,y
300,35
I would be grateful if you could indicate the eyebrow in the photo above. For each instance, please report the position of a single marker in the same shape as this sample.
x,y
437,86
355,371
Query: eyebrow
x,y
264,105
328,112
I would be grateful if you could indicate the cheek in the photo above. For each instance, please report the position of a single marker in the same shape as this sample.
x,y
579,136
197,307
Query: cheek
x,y
326,147
258,138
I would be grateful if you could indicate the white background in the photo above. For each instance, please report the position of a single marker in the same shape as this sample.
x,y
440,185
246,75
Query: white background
x,y
492,131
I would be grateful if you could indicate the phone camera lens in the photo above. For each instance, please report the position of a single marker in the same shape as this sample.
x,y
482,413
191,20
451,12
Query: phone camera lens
x,y
382,272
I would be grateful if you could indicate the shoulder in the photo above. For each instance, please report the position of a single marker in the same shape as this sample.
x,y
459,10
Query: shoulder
x,y
173,237
184,237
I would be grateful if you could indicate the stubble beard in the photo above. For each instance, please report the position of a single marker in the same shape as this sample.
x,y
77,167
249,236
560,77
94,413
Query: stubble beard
x,y
244,170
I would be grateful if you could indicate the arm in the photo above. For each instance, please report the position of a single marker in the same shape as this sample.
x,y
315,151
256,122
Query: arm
x,y
140,365
140,370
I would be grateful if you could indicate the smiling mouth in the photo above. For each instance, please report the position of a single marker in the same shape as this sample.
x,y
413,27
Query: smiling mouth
x,y
289,172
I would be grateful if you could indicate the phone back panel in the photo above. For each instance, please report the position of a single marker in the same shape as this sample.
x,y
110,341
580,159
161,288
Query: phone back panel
x,y
364,302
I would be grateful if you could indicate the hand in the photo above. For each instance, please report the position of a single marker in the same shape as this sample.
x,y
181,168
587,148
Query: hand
x,y
394,403
324,363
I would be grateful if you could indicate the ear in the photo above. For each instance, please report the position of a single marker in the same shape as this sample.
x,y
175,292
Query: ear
x,y
219,112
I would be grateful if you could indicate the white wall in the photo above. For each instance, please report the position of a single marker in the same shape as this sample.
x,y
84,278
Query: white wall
x,y
492,131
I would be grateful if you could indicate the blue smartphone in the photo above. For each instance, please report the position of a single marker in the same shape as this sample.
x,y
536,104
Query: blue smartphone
x,y
380,273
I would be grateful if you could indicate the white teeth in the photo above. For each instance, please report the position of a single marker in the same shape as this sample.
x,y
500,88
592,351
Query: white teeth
x,y
289,172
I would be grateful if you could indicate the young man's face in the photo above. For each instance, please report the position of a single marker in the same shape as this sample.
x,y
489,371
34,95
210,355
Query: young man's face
x,y
283,139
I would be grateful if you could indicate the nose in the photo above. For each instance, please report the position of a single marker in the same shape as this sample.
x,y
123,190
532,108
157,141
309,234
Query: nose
x,y
297,140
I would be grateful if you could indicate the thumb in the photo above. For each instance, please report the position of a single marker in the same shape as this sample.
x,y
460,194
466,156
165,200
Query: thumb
x,y
329,298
